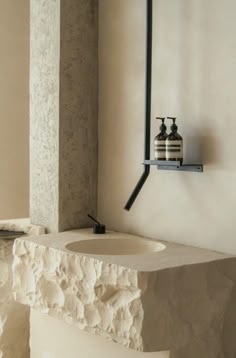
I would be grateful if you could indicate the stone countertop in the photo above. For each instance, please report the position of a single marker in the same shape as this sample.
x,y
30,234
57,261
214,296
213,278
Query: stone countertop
x,y
173,255
23,225
181,299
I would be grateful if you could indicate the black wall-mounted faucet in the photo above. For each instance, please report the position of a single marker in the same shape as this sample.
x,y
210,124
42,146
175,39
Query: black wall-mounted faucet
x,y
147,135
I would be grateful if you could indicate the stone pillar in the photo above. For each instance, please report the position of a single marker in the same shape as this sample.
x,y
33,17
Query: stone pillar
x,y
63,112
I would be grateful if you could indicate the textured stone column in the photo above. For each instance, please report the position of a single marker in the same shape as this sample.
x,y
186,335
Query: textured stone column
x,y
63,113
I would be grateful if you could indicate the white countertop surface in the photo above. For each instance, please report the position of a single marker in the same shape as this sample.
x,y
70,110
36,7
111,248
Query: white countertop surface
x,y
174,255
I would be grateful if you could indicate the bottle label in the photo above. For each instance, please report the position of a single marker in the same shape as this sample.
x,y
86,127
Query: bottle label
x,y
160,149
174,149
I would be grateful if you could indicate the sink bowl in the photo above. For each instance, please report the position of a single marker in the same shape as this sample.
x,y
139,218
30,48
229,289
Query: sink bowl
x,y
119,246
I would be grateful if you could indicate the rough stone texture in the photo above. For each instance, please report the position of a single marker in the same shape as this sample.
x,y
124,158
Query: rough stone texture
x,y
14,317
181,299
63,113
97,297
78,113
22,225
44,112
193,310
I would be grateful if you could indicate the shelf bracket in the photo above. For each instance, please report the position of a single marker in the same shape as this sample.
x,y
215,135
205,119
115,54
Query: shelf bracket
x,y
174,165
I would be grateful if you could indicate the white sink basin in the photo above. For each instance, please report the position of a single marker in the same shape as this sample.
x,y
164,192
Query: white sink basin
x,y
119,246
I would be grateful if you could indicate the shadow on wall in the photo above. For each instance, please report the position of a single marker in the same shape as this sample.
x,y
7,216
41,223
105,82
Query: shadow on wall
x,y
201,148
195,81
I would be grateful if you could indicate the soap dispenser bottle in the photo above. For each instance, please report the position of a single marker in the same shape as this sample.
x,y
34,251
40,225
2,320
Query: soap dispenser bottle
x,y
160,141
174,144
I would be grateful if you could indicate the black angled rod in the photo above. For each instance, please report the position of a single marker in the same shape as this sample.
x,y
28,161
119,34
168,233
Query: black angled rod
x,y
148,94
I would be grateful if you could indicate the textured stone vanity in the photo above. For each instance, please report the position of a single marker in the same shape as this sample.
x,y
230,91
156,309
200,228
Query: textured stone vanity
x,y
14,318
180,299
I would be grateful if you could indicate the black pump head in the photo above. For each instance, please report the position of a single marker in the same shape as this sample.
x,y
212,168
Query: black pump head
x,y
161,118
162,126
173,127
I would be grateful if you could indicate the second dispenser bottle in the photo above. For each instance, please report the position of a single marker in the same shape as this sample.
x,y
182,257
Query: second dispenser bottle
x,y
168,147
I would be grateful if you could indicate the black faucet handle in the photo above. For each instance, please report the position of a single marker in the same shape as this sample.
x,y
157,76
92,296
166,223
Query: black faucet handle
x,y
98,228
91,217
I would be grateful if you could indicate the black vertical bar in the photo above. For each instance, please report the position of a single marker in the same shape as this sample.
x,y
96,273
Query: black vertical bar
x,y
148,100
148,79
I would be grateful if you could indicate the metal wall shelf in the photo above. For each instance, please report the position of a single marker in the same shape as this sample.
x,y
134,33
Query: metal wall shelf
x,y
174,165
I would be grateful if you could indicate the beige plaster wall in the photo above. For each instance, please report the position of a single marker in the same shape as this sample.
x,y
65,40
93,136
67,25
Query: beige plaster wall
x,y
14,108
194,78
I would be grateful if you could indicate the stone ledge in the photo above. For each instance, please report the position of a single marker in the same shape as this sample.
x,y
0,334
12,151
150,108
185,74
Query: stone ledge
x,y
22,225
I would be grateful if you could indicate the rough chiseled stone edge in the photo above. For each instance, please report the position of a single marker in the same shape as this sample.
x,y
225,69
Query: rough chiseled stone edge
x,y
14,324
14,318
97,297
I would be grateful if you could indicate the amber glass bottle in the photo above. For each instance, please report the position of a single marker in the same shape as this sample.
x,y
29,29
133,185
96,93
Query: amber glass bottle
x,y
160,142
174,144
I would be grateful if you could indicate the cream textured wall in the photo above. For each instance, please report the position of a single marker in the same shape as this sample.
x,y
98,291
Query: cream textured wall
x,y
194,78
14,112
